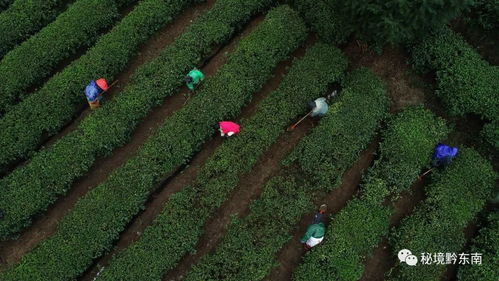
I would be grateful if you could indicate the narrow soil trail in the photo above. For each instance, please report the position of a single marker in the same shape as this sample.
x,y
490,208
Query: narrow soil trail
x,y
291,254
182,178
382,258
251,184
43,226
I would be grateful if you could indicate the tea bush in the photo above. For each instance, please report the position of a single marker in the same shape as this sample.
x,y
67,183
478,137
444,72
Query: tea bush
x,y
466,82
23,18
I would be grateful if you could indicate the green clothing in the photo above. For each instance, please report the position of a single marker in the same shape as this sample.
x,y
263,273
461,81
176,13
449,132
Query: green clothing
x,y
316,230
197,76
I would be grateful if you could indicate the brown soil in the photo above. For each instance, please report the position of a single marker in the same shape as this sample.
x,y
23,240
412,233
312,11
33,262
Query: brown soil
x,y
382,258
173,184
291,254
392,68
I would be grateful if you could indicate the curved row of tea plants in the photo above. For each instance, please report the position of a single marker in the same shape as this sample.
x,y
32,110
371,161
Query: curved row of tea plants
x,y
248,250
453,199
487,244
158,250
35,59
25,17
44,112
82,235
466,82
357,229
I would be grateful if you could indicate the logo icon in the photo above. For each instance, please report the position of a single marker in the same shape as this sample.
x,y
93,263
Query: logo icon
x,y
406,256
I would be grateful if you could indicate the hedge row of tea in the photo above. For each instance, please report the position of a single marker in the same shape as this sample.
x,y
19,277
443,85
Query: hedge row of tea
x,y
453,199
158,250
248,250
466,82
35,59
46,111
357,229
24,18
82,235
486,243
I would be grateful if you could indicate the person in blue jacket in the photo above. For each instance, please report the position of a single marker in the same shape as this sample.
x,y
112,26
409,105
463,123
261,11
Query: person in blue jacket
x,y
443,155
94,91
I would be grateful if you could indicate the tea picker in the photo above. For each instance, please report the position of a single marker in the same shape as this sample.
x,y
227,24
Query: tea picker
x,y
316,231
318,108
442,156
228,129
193,78
94,91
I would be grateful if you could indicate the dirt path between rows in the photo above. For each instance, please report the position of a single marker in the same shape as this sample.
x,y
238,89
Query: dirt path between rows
x,y
382,259
12,250
291,254
178,181
251,184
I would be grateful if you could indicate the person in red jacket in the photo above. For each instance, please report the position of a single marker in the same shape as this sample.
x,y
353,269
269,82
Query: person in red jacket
x,y
228,128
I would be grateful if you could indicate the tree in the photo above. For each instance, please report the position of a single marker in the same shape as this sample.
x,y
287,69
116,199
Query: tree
x,y
396,21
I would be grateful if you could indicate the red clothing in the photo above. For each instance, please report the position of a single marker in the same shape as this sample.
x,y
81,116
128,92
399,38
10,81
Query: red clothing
x,y
227,127
102,83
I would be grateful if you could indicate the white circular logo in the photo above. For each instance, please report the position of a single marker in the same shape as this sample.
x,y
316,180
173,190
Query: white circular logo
x,y
411,260
403,254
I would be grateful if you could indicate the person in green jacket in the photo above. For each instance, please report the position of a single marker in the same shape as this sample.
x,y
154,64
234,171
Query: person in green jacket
x,y
314,235
193,78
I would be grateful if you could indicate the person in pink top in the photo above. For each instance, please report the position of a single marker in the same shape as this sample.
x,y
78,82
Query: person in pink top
x,y
228,128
